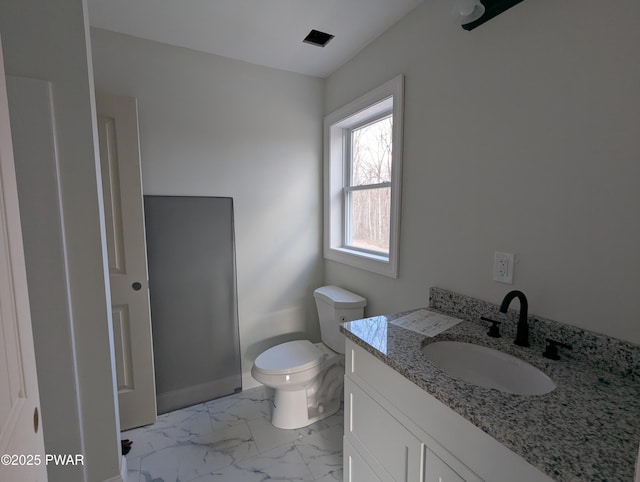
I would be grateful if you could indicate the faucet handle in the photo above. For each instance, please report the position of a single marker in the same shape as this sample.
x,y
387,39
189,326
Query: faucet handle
x,y
551,351
494,330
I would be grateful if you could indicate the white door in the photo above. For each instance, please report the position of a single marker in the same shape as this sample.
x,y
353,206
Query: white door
x,y
21,441
126,246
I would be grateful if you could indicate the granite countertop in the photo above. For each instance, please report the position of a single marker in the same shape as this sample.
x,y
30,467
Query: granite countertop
x,y
587,429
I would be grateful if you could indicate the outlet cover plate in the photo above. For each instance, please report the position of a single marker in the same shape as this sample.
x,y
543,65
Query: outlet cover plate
x,y
503,267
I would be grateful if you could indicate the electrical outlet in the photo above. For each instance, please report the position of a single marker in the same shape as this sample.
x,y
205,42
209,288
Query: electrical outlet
x,y
503,267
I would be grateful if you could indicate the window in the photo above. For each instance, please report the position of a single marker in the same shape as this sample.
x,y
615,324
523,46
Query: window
x,y
363,147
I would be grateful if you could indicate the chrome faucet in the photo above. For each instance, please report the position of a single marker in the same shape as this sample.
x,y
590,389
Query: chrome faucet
x,y
522,333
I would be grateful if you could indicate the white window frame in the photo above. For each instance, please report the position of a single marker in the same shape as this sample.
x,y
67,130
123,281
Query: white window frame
x,y
387,98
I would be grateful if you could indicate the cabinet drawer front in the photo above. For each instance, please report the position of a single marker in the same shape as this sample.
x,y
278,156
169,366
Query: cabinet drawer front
x,y
436,470
355,468
385,440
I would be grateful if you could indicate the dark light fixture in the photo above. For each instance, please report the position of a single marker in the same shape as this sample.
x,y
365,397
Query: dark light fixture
x,y
317,38
491,8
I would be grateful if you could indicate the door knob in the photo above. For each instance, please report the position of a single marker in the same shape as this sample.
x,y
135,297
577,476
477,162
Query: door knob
x,y
136,286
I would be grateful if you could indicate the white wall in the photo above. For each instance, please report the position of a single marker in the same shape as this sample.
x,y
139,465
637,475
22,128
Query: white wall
x,y
520,136
47,40
219,127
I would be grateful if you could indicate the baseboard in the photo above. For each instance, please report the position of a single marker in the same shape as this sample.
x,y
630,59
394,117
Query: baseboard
x,y
249,382
118,478
203,392
123,468
123,472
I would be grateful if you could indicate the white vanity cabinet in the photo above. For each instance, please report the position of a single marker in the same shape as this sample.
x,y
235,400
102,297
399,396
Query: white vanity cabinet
x,y
395,431
395,449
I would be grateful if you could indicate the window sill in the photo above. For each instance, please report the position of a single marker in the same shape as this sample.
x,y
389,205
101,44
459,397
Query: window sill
x,y
367,261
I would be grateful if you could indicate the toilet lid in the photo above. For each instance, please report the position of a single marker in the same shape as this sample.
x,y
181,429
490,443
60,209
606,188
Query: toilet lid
x,y
289,357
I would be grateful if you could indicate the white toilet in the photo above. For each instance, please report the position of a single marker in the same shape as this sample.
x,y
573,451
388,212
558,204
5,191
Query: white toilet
x,y
308,377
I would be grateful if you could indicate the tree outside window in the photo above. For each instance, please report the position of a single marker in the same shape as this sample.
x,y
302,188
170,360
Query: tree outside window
x,y
368,195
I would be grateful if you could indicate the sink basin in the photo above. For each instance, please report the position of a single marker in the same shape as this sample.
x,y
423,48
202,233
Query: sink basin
x,y
488,368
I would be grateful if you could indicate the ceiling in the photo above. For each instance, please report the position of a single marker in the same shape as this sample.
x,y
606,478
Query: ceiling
x,y
263,32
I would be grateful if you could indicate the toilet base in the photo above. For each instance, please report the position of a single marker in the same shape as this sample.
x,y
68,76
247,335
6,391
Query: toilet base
x,y
290,409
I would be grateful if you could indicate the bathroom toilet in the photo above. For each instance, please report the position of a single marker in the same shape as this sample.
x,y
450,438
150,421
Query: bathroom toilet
x,y
307,377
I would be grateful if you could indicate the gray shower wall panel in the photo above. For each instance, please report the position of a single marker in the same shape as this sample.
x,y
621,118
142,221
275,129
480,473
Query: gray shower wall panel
x,y
192,281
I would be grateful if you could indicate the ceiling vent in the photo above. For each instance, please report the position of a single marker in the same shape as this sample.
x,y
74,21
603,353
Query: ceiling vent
x,y
487,10
317,38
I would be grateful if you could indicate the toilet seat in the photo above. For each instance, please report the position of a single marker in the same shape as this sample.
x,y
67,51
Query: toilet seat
x,y
288,358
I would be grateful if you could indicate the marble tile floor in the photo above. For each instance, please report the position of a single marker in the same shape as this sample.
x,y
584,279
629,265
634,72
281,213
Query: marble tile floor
x,y
231,439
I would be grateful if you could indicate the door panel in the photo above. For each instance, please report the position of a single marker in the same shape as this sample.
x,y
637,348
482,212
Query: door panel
x,y
20,425
111,194
123,351
126,248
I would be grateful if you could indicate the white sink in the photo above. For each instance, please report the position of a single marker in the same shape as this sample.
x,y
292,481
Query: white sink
x,y
488,368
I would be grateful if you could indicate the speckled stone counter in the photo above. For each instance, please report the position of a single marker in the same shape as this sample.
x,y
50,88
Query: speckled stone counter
x,y
587,429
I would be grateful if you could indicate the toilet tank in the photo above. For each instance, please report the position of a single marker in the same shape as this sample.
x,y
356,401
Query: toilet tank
x,y
336,305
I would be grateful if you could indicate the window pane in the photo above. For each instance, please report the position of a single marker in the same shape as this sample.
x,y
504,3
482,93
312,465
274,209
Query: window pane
x,y
371,153
369,218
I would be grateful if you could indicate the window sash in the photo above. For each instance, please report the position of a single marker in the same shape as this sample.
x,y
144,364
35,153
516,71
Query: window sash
x,y
349,230
367,186
348,140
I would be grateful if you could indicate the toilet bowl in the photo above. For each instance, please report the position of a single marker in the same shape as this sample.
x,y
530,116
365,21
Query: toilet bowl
x,y
306,377
295,369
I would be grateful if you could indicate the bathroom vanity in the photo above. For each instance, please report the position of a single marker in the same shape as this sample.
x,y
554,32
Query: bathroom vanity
x,y
396,431
406,419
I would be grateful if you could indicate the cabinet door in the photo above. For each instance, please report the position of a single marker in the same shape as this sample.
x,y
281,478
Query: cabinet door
x,y
380,436
435,470
355,468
